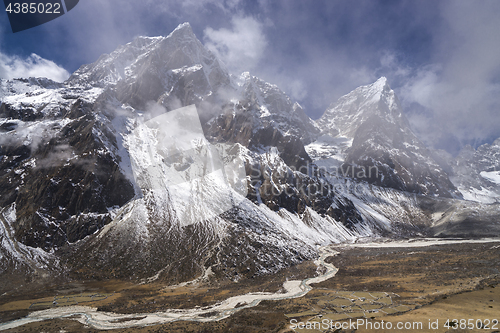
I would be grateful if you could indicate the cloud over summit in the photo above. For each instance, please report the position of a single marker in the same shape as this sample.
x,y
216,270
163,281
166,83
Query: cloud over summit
x,y
441,57
241,47
12,67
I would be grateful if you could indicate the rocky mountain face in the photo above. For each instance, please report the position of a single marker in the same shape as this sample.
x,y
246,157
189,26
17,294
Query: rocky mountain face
x,y
174,70
476,173
78,168
56,169
381,147
155,163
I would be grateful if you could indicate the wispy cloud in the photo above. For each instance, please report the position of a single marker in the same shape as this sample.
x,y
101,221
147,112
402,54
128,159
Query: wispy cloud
x,y
441,57
459,91
32,66
241,47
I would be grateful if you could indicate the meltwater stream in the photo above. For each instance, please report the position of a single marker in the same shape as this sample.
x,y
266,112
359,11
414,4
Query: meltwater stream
x,y
109,320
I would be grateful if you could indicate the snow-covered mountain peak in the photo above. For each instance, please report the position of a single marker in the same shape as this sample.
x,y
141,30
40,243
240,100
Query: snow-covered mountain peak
x,y
372,91
351,110
367,128
270,106
182,28
380,83
166,70
380,90
154,58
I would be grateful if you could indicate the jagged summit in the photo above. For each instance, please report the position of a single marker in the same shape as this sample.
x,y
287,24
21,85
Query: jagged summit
x,y
381,82
375,90
371,121
147,69
351,110
182,29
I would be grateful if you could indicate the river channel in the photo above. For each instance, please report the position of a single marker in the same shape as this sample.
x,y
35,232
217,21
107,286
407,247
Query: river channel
x,y
108,320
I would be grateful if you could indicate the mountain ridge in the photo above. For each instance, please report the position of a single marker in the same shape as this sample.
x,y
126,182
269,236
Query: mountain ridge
x,y
70,187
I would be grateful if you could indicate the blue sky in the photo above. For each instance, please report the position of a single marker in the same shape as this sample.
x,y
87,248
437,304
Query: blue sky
x,y
441,57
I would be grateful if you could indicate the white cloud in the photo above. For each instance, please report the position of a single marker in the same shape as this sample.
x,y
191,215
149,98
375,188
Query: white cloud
x,y
33,66
460,88
389,62
240,48
296,88
421,87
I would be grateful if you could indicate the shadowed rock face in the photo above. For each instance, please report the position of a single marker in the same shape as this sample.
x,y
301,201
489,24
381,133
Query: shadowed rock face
x,y
403,166
240,128
25,114
64,195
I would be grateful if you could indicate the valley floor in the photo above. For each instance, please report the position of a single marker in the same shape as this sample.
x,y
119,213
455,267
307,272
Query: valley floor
x,y
409,283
